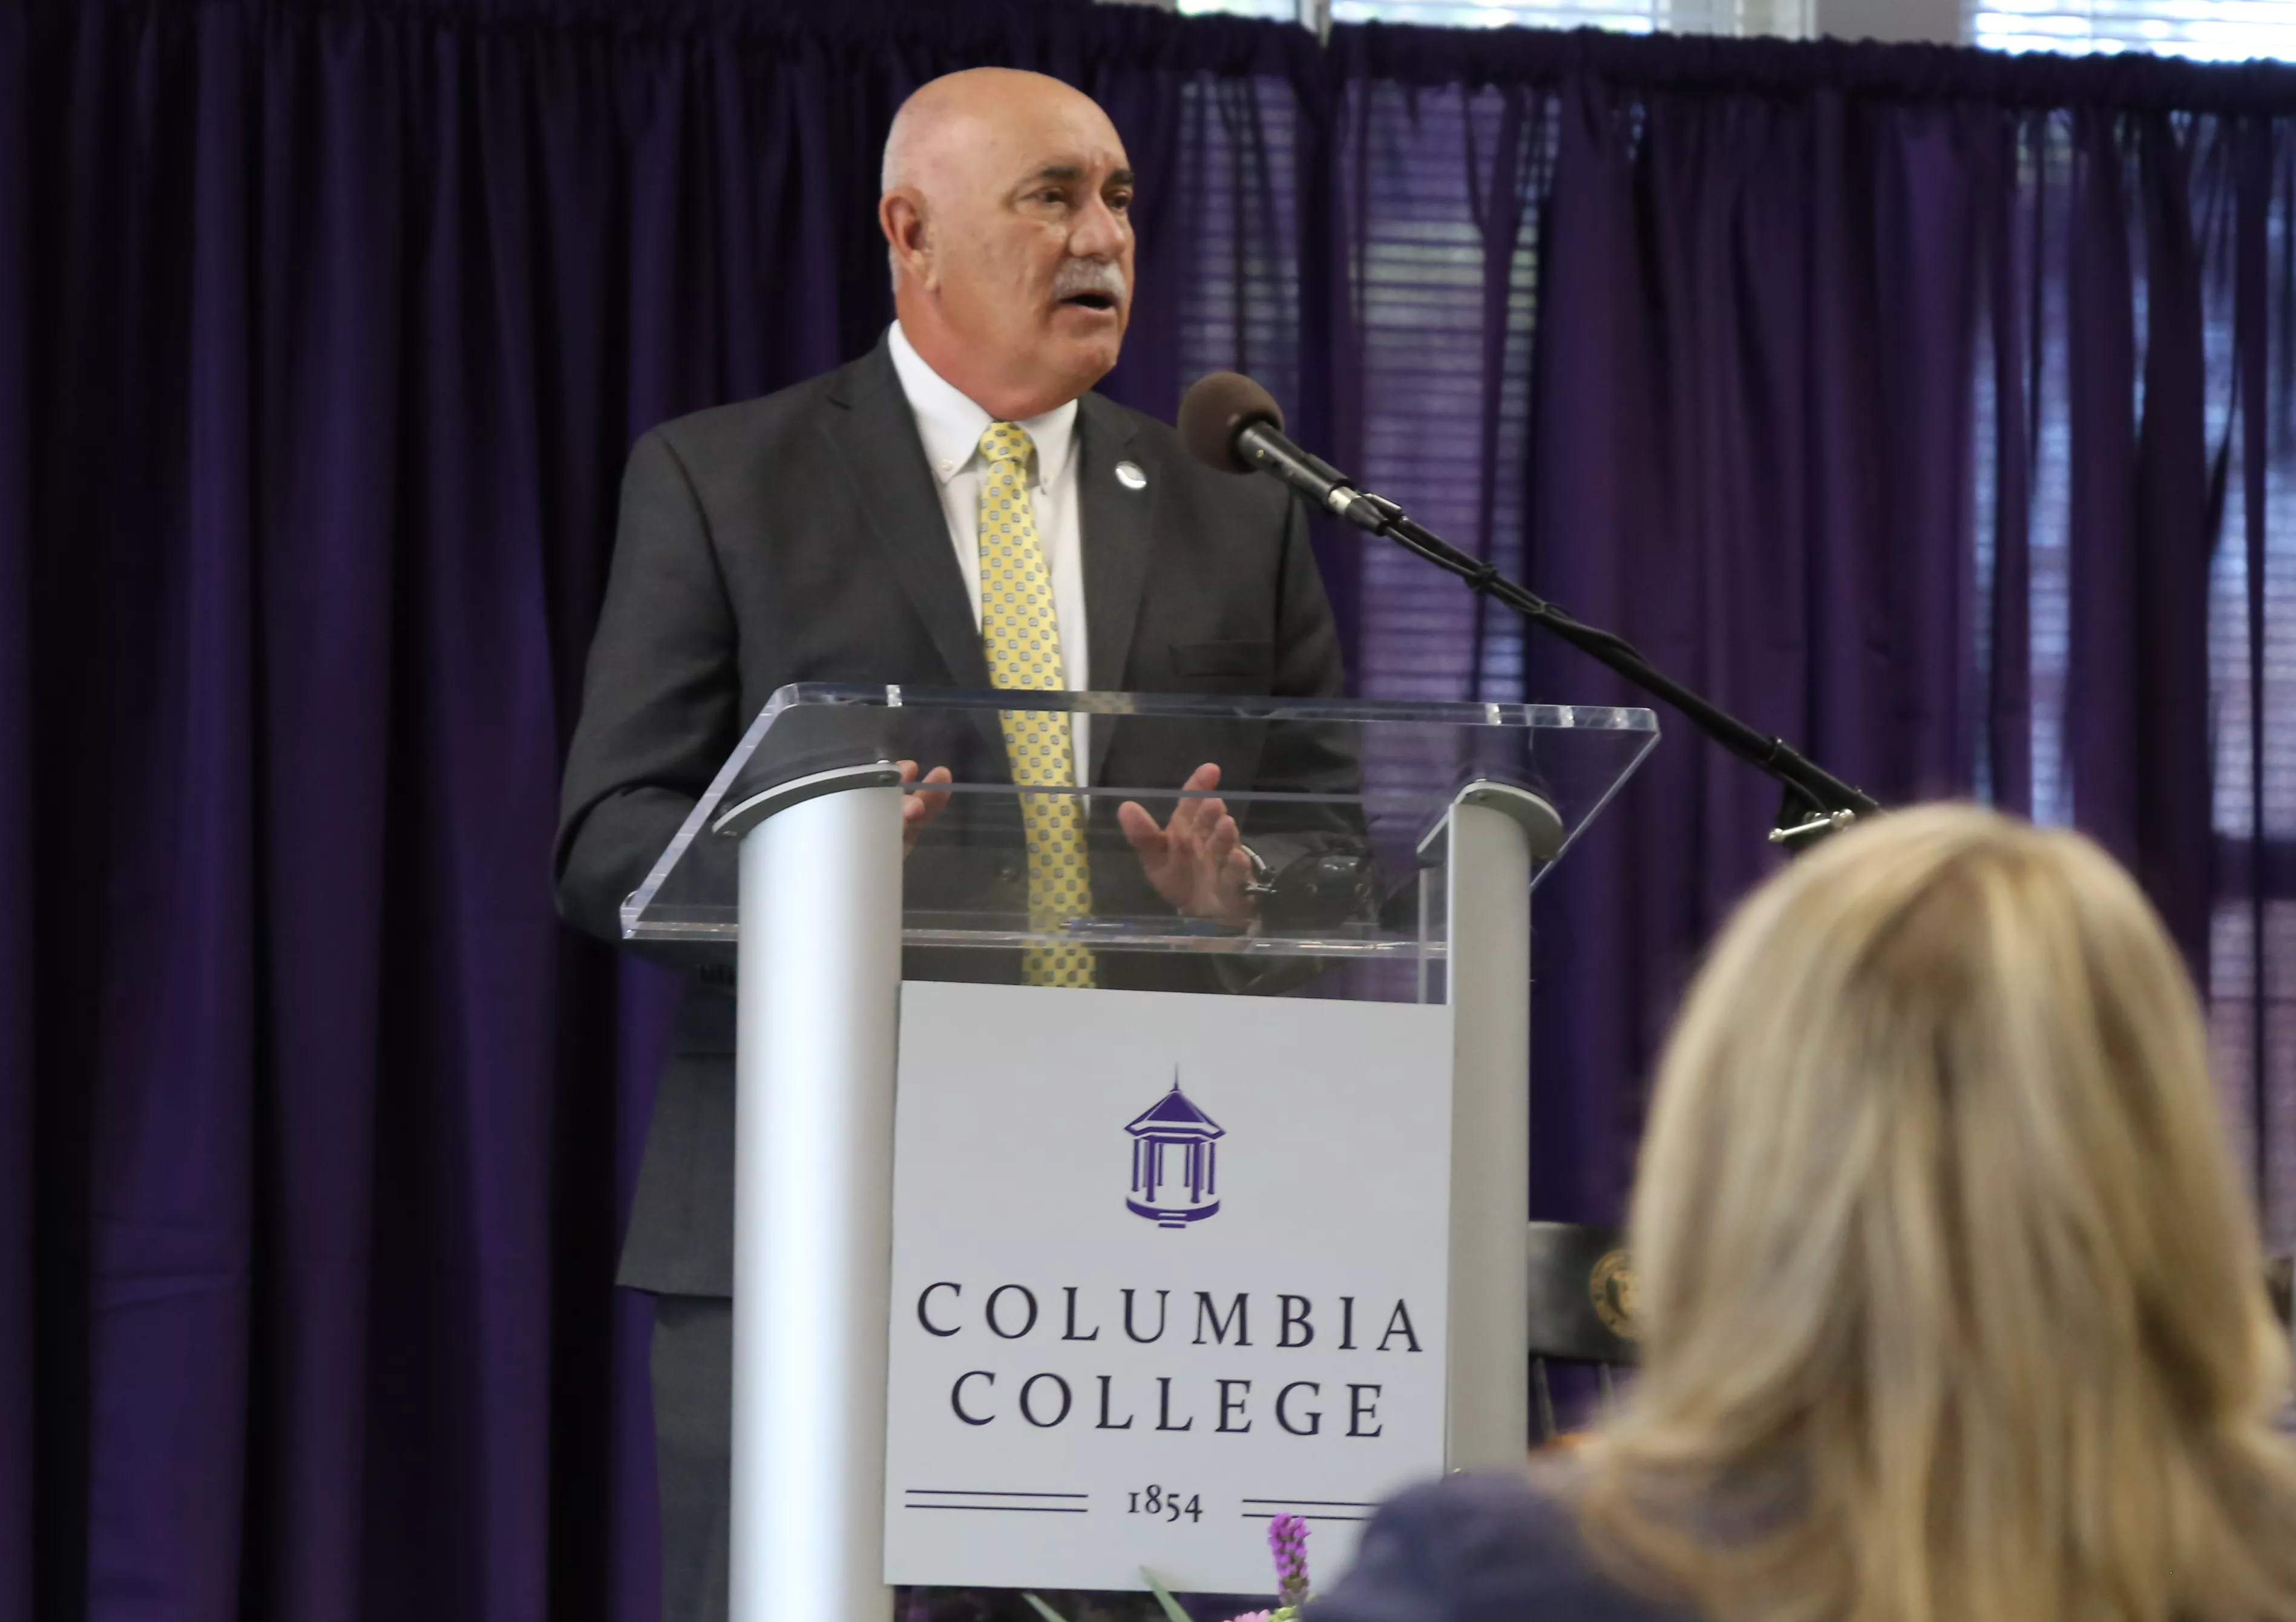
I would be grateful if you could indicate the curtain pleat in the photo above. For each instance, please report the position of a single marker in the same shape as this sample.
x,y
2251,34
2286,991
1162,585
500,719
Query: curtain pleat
x,y
23,1443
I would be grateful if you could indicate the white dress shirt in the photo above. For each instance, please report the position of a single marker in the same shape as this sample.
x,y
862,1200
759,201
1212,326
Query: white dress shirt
x,y
951,425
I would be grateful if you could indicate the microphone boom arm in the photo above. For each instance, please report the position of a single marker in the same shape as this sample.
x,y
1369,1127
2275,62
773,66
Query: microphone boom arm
x,y
1834,803
1229,422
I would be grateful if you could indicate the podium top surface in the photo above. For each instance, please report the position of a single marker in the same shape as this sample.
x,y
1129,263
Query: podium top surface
x,y
1342,805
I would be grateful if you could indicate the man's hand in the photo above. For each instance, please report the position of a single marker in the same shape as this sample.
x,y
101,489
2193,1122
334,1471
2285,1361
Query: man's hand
x,y
1197,860
918,809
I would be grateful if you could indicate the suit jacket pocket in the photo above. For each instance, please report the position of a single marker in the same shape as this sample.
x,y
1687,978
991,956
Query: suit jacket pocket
x,y
1233,666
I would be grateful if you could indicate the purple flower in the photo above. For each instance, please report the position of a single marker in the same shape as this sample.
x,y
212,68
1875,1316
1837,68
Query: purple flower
x,y
1287,1541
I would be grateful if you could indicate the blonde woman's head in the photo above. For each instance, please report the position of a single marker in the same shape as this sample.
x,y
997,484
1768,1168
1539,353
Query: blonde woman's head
x,y
1952,1302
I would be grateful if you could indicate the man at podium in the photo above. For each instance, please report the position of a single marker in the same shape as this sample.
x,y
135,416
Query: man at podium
x,y
851,529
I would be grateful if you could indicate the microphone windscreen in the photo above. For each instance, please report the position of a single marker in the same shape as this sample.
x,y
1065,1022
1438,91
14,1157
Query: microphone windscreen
x,y
1216,410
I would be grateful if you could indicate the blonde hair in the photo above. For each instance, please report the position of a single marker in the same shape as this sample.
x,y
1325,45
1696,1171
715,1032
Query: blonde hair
x,y
1952,1302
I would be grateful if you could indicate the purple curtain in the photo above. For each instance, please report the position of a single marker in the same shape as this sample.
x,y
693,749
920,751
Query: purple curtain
x,y
1931,409
323,332
1934,411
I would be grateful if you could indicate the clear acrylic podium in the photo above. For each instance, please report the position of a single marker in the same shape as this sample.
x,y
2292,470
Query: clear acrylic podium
x,y
1395,847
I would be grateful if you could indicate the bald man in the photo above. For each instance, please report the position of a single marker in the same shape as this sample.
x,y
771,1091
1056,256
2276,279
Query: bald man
x,y
829,533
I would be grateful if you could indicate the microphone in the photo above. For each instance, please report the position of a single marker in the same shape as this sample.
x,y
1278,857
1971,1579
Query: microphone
x,y
1230,423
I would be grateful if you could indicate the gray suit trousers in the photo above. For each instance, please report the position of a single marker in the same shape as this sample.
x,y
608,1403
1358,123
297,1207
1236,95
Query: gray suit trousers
x,y
693,1369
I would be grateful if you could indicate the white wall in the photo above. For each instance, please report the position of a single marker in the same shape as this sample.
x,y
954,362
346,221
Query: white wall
x,y
1938,21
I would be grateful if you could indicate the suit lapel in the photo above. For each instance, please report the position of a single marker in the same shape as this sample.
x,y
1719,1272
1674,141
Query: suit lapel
x,y
1119,524
873,435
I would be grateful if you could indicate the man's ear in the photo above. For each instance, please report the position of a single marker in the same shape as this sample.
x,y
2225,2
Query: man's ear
x,y
900,215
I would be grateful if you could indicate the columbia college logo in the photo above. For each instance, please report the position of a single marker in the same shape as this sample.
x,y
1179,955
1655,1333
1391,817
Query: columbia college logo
x,y
1174,1162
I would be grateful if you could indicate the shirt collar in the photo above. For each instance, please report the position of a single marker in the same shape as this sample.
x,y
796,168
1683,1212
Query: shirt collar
x,y
951,425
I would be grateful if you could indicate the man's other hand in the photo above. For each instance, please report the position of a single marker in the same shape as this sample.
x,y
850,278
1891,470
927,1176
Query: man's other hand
x,y
1197,861
920,807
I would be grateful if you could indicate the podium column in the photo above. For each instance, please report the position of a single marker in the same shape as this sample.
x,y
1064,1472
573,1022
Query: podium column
x,y
1487,972
819,988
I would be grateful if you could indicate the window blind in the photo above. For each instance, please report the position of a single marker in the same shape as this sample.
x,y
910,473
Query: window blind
x,y
1444,413
2217,31
1266,11
1440,434
1496,13
1788,17
1673,16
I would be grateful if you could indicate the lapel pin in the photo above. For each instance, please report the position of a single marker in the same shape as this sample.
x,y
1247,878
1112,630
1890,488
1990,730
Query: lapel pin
x,y
1128,475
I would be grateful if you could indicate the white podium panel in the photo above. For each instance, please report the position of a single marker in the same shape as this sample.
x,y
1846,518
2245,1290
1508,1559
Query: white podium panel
x,y
1164,1268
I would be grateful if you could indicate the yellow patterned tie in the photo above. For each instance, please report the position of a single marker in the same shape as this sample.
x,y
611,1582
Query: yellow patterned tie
x,y
1021,634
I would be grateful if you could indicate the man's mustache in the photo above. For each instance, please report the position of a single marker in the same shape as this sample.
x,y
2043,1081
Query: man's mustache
x,y
1089,276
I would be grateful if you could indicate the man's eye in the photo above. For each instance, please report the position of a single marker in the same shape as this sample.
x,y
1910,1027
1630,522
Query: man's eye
x,y
1050,195
1120,201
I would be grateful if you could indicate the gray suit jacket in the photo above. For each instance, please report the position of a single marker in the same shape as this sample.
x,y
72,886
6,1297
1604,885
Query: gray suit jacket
x,y
800,538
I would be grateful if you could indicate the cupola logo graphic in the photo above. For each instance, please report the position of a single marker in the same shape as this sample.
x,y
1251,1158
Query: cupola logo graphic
x,y
1174,1162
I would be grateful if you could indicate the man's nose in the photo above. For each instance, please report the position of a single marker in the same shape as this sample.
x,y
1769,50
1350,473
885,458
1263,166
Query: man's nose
x,y
1101,232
